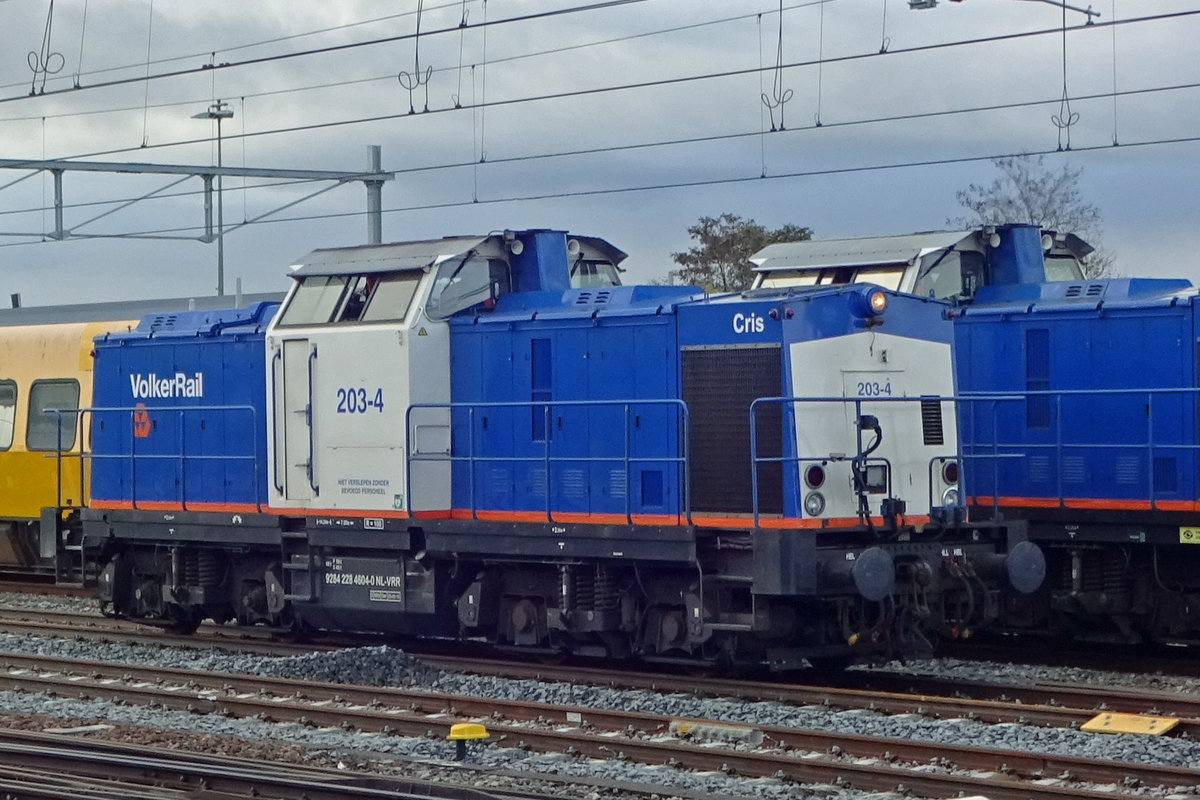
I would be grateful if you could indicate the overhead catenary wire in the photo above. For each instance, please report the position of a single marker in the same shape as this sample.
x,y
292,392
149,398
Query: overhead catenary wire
x,y
914,116
663,186
650,84
690,140
229,48
390,76
227,65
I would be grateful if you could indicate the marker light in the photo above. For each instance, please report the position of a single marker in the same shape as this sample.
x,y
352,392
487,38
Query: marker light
x,y
814,476
950,472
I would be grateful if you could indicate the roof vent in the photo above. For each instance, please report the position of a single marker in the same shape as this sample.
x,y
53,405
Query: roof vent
x,y
593,298
163,322
1085,290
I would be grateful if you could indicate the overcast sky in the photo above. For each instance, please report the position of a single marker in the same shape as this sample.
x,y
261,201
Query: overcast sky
x,y
657,118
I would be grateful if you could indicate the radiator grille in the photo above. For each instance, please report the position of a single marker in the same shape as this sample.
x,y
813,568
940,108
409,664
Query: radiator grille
x,y
931,422
718,386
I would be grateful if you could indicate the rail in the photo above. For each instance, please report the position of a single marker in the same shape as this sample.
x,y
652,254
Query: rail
x,y
136,416
543,434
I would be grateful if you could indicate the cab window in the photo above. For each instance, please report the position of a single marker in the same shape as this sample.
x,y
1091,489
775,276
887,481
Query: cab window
x,y
391,297
949,274
43,431
465,282
593,274
783,278
8,412
1062,268
315,300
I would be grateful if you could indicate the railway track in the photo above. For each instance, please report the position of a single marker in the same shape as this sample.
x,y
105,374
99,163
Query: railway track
x,y
55,766
1045,704
800,756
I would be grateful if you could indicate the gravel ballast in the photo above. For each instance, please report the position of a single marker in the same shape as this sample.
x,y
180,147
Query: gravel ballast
x,y
385,666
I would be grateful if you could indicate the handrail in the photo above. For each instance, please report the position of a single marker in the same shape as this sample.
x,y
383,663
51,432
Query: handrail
x,y
1062,446
797,459
310,418
277,441
181,456
547,456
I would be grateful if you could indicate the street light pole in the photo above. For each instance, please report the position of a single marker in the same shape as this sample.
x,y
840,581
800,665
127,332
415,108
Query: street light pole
x,y
219,110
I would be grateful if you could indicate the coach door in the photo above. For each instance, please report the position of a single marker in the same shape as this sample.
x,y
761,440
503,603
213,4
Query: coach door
x,y
296,375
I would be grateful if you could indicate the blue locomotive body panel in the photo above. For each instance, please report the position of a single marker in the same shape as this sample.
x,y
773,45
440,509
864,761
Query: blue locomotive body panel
x,y
563,403
635,403
1102,404
179,411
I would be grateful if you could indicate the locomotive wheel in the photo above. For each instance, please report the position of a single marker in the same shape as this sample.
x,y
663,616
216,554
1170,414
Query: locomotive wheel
x,y
182,627
830,663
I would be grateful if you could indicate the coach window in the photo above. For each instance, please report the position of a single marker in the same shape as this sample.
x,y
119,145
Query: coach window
x,y
8,412
315,301
43,431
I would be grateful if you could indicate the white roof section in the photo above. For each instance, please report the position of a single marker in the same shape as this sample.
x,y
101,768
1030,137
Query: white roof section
x,y
418,255
384,257
860,252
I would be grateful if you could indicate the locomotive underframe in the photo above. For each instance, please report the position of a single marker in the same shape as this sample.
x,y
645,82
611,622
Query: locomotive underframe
x,y
671,593
1117,576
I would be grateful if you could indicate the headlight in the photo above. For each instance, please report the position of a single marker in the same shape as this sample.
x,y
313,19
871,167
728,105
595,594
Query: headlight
x,y
814,504
950,498
869,302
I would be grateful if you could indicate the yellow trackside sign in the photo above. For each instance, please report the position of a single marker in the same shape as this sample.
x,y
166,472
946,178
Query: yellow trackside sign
x,y
1189,535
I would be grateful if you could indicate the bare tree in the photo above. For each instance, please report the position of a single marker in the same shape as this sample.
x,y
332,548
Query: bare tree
x,y
720,260
1027,191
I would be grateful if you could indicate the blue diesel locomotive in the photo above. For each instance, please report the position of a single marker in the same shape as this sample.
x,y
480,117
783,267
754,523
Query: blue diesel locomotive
x,y
1078,406
490,438
1086,427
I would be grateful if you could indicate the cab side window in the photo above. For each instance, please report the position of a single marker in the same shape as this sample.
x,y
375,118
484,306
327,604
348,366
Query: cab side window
x,y
8,412
462,283
391,297
43,431
314,301
949,275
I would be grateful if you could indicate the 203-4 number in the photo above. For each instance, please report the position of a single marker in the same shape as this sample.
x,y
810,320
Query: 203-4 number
x,y
874,388
354,400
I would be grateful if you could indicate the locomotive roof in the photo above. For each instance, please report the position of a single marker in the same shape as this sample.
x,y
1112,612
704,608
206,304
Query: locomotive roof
x,y
1113,293
418,255
384,257
864,251
870,251
124,309
609,301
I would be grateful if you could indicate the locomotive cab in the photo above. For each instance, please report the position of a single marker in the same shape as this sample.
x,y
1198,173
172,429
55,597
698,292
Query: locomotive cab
x,y
946,265
362,337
